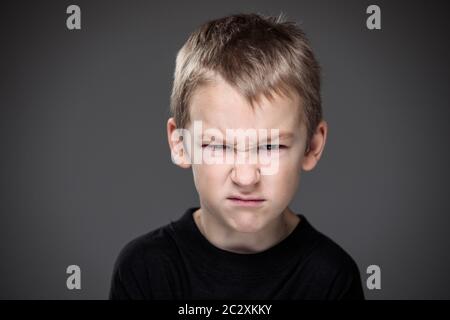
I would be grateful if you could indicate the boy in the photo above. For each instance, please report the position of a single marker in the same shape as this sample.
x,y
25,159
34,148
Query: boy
x,y
234,77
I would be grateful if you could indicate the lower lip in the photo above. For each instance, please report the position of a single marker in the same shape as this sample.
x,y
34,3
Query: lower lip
x,y
246,203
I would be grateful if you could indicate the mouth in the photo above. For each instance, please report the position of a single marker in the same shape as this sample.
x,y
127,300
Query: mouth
x,y
246,201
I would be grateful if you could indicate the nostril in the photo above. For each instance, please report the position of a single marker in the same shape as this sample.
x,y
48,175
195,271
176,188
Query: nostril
x,y
245,176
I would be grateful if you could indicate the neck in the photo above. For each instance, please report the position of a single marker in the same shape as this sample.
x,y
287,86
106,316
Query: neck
x,y
223,237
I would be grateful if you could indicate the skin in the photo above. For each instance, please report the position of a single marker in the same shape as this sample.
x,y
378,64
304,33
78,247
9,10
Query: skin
x,y
225,224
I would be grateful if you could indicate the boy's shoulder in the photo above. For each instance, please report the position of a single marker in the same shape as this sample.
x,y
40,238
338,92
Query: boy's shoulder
x,y
330,254
323,250
155,244
131,276
328,263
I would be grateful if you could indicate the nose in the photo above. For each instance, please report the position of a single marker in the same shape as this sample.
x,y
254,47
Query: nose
x,y
245,174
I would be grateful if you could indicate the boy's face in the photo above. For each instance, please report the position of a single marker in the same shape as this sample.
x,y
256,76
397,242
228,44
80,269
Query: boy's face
x,y
220,106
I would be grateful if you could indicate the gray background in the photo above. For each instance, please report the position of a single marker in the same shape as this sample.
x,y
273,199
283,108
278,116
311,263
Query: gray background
x,y
85,165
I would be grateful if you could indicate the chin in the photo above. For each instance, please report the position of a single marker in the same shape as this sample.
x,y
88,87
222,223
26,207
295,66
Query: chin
x,y
247,223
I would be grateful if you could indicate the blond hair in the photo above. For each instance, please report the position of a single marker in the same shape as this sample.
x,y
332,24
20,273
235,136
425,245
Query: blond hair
x,y
256,55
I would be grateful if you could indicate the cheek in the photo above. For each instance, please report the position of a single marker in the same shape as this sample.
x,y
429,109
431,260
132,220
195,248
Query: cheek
x,y
283,185
206,176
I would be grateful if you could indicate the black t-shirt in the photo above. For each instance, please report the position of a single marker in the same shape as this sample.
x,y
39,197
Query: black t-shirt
x,y
176,261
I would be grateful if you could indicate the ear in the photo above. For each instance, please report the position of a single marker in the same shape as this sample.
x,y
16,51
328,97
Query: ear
x,y
316,146
178,150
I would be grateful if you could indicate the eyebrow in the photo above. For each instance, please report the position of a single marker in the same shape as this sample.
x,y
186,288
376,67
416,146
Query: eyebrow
x,y
285,135
282,135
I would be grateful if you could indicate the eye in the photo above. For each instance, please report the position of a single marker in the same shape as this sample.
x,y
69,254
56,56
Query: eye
x,y
215,147
270,147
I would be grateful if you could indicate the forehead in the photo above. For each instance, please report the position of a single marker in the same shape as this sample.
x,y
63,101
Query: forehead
x,y
217,104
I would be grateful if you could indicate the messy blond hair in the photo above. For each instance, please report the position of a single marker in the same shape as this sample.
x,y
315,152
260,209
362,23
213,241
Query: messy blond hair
x,y
256,55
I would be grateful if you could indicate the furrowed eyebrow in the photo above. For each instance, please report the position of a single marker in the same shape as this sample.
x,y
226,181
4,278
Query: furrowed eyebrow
x,y
281,136
286,135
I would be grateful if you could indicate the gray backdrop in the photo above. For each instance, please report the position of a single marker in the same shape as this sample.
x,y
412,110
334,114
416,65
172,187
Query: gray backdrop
x,y
85,165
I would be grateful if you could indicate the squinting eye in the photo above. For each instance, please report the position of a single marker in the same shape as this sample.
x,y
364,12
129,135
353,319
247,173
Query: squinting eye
x,y
215,147
270,147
